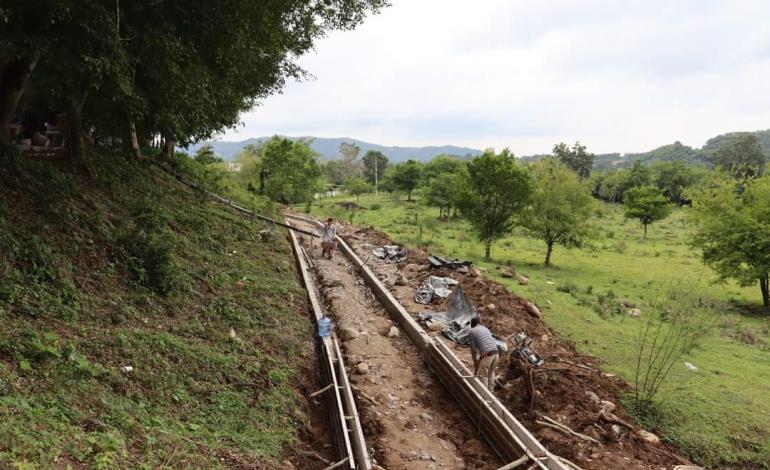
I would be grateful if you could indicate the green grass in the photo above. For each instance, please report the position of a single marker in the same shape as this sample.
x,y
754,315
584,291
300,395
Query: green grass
x,y
130,268
719,415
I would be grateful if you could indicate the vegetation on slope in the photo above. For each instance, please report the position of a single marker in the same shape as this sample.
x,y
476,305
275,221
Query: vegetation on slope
x,y
129,268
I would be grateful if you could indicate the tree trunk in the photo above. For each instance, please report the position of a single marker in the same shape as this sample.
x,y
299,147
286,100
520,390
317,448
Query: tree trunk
x,y
409,196
75,130
13,78
763,285
548,254
169,149
487,250
645,231
133,141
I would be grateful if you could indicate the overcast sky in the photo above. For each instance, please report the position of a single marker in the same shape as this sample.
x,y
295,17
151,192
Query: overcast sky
x,y
618,75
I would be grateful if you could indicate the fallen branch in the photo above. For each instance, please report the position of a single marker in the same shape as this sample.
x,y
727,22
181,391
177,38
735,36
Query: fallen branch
x,y
563,428
569,463
611,418
315,455
520,461
315,394
341,462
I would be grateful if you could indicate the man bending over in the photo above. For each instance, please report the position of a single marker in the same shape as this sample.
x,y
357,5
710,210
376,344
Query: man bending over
x,y
484,353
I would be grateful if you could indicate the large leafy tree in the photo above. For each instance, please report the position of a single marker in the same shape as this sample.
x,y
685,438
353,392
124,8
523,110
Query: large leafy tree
x,y
443,164
741,156
442,191
577,158
638,175
350,165
405,177
495,191
732,229
647,204
375,164
674,177
184,70
561,206
291,173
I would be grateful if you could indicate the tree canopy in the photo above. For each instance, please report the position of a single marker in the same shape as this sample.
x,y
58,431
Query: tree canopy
x,y
357,186
741,156
496,189
561,206
577,158
732,230
646,203
290,171
405,176
183,70
375,164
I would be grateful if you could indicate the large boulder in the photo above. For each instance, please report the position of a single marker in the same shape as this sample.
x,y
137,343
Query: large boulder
x,y
533,310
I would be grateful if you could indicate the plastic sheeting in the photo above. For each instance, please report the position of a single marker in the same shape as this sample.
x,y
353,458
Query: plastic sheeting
x,y
456,321
434,288
392,253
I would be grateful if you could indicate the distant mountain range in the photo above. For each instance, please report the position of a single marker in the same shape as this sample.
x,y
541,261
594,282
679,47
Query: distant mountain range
x,y
328,148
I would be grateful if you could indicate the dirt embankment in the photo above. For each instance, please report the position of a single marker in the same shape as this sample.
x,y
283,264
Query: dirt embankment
x,y
572,392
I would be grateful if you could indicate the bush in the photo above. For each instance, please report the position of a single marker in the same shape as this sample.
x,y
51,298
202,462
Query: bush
x,y
569,288
607,304
375,207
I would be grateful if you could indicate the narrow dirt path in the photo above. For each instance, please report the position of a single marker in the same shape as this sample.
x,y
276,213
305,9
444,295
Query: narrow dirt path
x,y
409,419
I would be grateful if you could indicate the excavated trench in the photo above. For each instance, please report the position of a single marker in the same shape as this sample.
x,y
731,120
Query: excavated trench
x,y
409,419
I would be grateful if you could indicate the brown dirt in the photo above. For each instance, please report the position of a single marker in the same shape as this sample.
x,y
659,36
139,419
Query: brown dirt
x,y
561,395
409,420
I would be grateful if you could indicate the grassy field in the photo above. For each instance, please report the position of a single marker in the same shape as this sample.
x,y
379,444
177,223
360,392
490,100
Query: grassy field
x,y
719,414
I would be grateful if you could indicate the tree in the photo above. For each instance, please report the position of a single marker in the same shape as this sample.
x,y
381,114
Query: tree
x,y
561,206
442,192
442,164
577,158
673,178
206,155
611,186
639,175
741,156
647,204
350,166
406,176
290,170
495,190
357,187
375,164
335,171
732,229
184,71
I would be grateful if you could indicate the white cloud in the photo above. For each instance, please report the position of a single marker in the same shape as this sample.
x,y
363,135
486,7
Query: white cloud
x,y
617,75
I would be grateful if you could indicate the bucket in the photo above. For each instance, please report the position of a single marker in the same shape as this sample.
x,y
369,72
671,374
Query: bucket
x,y
324,326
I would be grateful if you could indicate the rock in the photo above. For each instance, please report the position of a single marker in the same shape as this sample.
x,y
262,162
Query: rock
x,y
634,312
544,338
362,368
474,272
127,369
647,436
347,333
287,465
463,270
533,310
426,417
377,467
436,326
329,283
608,406
593,398
507,273
616,428
690,366
491,307
393,332
355,359
523,280
401,280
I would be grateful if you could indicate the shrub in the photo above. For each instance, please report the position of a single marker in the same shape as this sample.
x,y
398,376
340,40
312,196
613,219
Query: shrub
x,y
569,288
607,304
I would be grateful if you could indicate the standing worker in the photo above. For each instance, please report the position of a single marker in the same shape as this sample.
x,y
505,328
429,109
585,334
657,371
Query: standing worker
x,y
328,235
484,352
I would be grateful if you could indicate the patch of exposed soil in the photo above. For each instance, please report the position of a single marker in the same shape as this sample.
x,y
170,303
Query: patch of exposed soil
x,y
572,395
409,420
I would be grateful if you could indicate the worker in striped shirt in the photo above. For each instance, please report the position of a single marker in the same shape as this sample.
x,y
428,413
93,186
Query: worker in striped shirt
x,y
484,353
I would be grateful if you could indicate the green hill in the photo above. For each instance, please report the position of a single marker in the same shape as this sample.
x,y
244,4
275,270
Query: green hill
x,y
142,326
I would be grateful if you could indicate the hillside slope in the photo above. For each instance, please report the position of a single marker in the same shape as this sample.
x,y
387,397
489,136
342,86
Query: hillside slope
x,y
130,269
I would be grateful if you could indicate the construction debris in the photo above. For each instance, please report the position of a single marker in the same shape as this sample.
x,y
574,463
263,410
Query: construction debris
x,y
453,263
434,288
393,253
